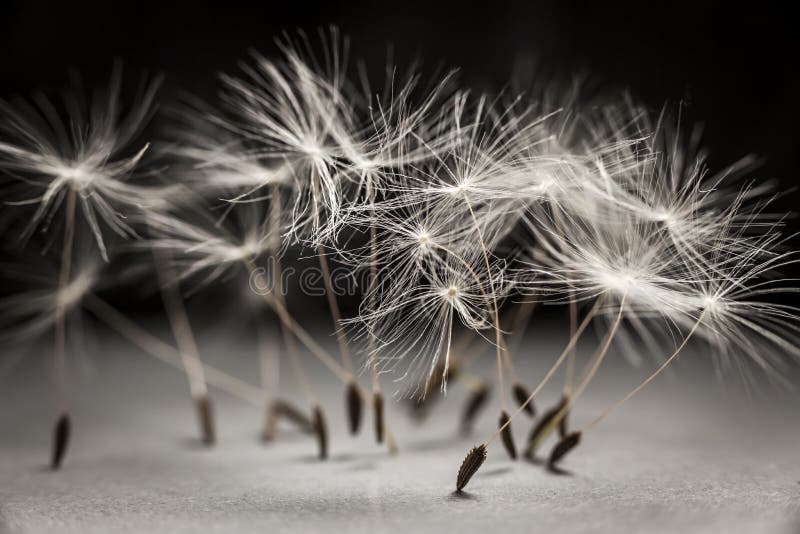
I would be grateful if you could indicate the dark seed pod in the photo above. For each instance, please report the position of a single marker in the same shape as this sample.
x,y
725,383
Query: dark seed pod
x,y
377,406
61,434
354,405
475,403
205,419
321,428
508,438
473,461
563,447
543,427
521,394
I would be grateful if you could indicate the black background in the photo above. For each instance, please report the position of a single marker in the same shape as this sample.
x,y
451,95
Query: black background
x,y
733,68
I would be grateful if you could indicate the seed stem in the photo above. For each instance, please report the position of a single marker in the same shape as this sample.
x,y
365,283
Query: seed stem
x,y
498,335
573,340
61,304
333,305
646,381
597,359
166,353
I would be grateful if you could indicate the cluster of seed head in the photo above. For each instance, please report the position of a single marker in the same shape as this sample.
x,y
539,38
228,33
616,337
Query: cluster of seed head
x,y
473,201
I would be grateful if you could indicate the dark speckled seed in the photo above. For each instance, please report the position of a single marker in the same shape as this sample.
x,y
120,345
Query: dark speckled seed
x,y
473,461
475,402
354,405
61,434
521,394
321,428
507,436
377,405
569,442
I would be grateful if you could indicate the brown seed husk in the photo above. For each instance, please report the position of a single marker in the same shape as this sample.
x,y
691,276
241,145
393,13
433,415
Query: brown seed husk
x,y
61,434
205,419
377,406
541,428
507,436
475,403
472,462
569,442
321,429
521,394
354,405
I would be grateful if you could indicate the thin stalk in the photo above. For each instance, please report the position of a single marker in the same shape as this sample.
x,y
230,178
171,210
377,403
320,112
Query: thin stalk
x,y
594,366
520,325
304,337
277,287
316,349
61,312
489,300
187,345
181,328
573,340
291,346
333,305
373,274
168,354
498,335
646,381
268,362
573,324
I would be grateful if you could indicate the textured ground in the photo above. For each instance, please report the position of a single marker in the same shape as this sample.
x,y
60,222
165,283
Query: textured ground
x,y
688,455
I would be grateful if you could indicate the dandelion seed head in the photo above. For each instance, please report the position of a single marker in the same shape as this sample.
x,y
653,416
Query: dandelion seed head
x,y
91,150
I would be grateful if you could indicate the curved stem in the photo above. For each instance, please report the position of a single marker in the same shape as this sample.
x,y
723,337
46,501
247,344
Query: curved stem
x,y
521,320
573,324
646,381
61,311
475,277
373,273
573,340
498,335
304,337
333,305
181,328
168,354
595,365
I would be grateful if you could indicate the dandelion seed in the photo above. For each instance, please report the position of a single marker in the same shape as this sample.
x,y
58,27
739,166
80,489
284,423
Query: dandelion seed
x,y
91,154
377,407
321,429
354,407
475,403
472,462
521,394
508,439
566,444
543,427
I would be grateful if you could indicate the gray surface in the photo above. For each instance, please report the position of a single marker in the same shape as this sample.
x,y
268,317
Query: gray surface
x,y
688,455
